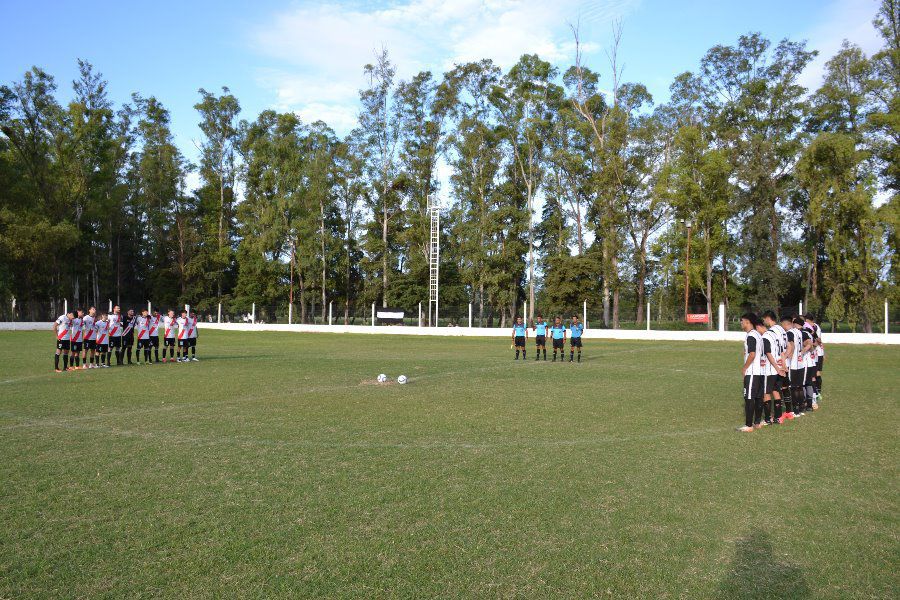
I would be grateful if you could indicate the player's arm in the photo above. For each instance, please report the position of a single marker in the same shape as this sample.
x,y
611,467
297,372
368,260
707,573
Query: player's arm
x,y
751,355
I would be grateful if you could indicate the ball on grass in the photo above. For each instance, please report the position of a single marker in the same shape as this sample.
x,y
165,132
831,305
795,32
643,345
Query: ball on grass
x,y
401,380
382,378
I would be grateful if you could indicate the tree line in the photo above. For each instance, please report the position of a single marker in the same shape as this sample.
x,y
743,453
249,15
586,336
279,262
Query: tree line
x,y
563,188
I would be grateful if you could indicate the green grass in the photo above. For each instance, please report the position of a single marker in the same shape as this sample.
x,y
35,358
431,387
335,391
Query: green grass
x,y
275,467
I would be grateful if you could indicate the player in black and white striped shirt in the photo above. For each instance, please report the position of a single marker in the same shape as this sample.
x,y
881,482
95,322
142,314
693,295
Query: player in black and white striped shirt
x,y
752,374
778,340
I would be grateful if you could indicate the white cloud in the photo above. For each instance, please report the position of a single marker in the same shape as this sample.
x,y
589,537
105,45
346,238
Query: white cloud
x,y
844,20
321,48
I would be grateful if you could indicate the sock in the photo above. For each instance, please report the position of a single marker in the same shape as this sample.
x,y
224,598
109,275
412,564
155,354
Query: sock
x,y
65,361
579,356
56,362
748,412
146,354
820,383
523,352
757,410
129,354
786,398
767,410
517,354
545,354
799,401
810,395
76,360
156,353
571,356
779,410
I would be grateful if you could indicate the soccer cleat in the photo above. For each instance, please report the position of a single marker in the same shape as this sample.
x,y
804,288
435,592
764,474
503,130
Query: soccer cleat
x,y
58,370
195,359
815,406
164,361
789,415
745,429
780,420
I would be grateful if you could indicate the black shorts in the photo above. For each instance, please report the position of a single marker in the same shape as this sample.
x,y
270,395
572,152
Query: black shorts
x,y
182,343
154,341
128,340
169,342
76,346
192,342
798,377
770,383
540,340
102,348
143,343
753,386
115,341
821,363
63,344
520,341
576,342
558,343
90,344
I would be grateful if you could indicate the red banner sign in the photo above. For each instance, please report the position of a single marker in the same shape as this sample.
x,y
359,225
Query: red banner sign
x,y
698,318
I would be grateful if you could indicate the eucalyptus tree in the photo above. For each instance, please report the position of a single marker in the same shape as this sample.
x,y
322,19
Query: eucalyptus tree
x,y
380,130
522,102
759,107
475,155
219,124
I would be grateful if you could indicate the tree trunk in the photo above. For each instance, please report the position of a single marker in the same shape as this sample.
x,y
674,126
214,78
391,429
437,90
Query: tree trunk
x,y
384,257
709,302
322,232
530,317
605,286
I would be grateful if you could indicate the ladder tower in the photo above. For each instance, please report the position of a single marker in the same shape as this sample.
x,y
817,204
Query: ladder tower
x,y
434,259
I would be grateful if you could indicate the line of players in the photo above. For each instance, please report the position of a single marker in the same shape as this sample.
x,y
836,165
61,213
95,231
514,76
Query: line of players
x,y
782,367
88,340
558,333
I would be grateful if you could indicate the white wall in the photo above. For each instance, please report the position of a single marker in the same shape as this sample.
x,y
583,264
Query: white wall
x,y
612,334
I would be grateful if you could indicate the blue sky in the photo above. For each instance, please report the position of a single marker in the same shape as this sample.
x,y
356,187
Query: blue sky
x,y
308,56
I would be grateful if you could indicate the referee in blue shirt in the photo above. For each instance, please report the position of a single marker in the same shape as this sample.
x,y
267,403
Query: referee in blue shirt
x,y
520,335
577,329
558,332
540,337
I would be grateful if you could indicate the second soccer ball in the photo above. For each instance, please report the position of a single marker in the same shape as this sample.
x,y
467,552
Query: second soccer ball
x,y
382,378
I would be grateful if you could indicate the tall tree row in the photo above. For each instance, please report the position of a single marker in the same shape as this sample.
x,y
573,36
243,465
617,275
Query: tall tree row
x,y
558,186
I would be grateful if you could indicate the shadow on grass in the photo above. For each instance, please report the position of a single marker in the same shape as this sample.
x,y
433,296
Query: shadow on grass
x,y
757,571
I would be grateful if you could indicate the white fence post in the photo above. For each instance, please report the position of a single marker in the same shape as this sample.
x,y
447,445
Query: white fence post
x,y
373,314
330,313
584,315
219,314
253,315
65,306
648,315
420,314
470,314
187,308
721,317
801,308
525,313
885,317
149,307
110,307
290,313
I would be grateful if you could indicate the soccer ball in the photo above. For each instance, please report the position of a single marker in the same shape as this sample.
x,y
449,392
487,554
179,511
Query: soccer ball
x,y
382,378
401,380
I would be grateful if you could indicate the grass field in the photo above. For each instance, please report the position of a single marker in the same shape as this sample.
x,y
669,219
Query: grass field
x,y
275,467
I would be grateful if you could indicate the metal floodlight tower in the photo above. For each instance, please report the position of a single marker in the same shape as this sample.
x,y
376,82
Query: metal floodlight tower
x,y
434,259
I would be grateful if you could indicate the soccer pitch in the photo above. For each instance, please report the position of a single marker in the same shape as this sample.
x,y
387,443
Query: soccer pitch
x,y
276,466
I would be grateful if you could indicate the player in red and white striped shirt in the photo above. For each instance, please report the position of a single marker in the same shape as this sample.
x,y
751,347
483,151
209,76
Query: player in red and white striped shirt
x,y
90,338
192,337
170,334
153,334
143,337
63,340
102,329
